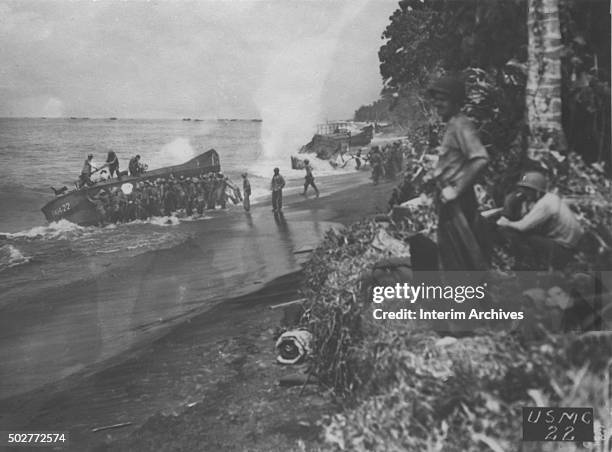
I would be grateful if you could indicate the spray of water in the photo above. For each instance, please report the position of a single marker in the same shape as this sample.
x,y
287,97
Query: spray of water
x,y
180,149
11,257
174,153
289,97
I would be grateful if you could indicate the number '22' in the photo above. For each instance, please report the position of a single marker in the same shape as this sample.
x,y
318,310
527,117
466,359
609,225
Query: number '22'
x,y
553,434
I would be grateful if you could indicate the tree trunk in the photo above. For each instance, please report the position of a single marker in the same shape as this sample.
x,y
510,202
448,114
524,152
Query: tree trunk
x,y
544,80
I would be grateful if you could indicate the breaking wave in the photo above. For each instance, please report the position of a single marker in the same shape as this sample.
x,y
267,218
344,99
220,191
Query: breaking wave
x,y
10,256
62,229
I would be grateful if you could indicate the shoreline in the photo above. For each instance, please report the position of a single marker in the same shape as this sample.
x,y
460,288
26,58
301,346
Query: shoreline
x,y
110,306
354,199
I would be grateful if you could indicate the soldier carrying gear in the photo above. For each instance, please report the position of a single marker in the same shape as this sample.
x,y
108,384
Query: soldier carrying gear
x,y
309,179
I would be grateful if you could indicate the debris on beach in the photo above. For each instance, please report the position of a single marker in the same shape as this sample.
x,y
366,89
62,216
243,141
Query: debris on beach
x,y
293,346
298,380
111,427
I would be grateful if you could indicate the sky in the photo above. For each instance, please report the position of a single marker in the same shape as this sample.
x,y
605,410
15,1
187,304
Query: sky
x,y
269,59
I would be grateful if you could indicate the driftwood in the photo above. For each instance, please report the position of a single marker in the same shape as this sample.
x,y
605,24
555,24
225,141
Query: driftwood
x,y
110,427
288,303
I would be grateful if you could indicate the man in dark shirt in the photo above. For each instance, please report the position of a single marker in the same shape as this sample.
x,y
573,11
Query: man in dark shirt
x,y
276,186
376,162
112,162
246,189
135,167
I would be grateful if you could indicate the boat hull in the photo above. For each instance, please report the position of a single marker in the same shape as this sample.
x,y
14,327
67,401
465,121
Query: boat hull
x,y
76,208
362,138
328,145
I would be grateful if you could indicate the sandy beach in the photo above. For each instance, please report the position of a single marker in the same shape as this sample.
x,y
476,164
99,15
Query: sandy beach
x,y
188,379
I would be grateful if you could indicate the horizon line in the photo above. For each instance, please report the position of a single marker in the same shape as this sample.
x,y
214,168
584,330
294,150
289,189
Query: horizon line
x,y
131,118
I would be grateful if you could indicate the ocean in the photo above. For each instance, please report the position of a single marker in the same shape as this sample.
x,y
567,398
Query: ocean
x,y
36,154
73,296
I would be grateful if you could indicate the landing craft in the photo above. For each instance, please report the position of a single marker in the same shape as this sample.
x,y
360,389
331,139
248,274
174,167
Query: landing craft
x,y
74,206
333,138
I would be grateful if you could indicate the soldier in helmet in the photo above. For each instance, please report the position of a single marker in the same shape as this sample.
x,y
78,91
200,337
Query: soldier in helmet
x,y
309,179
276,185
543,230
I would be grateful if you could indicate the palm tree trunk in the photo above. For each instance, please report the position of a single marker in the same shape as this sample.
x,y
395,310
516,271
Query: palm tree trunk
x,y
544,80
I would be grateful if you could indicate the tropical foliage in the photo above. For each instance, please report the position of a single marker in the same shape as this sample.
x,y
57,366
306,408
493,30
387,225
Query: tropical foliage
x,y
428,37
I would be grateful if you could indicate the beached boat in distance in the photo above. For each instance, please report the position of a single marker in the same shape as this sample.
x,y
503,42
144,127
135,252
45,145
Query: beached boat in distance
x,y
75,207
334,138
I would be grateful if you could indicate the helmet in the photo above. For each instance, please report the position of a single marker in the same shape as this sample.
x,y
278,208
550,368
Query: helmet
x,y
534,180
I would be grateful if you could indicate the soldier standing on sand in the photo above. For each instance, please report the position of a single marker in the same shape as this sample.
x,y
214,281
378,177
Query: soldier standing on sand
x,y
246,189
376,164
389,162
221,185
276,186
309,179
358,160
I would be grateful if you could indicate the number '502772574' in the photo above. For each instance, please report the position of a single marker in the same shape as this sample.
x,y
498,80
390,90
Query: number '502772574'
x,y
34,438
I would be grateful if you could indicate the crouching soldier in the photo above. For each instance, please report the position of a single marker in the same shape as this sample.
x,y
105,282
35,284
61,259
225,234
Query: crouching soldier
x,y
547,233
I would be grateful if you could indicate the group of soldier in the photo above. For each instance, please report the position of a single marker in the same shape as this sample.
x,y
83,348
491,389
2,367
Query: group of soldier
x,y
386,162
539,227
163,196
109,169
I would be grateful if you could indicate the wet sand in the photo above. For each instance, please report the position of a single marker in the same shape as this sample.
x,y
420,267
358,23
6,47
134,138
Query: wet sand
x,y
142,358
